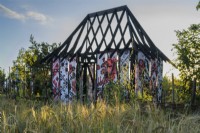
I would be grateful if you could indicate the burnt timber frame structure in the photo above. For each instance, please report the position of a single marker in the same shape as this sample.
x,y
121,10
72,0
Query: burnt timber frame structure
x,y
114,30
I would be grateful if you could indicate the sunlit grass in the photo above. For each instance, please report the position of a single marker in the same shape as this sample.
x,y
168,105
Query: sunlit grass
x,y
36,117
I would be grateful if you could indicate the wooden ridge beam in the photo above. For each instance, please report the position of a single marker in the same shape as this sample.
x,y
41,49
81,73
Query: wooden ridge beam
x,y
108,11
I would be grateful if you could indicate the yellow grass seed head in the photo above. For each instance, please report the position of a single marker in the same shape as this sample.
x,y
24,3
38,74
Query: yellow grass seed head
x,y
34,114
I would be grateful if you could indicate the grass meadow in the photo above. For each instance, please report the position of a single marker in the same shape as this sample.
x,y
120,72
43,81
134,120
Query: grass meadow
x,y
26,116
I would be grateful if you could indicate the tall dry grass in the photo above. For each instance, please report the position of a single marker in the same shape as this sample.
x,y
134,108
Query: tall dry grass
x,y
36,117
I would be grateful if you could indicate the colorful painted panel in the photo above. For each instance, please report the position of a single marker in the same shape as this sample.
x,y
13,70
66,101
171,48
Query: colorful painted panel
x,y
159,80
147,73
101,70
111,64
106,69
72,78
55,80
153,79
124,67
141,73
154,72
64,81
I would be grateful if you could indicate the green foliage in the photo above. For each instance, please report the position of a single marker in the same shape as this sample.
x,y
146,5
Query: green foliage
x,y
114,93
181,92
198,6
188,53
2,79
27,67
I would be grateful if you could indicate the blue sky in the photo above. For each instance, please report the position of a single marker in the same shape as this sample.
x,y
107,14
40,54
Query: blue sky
x,y
52,21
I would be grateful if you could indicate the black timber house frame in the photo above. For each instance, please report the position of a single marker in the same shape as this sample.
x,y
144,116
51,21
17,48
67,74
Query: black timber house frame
x,y
114,30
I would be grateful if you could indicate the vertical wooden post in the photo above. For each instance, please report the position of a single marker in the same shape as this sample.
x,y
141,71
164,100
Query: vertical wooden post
x,y
132,69
4,79
9,83
77,79
95,99
173,100
32,83
24,80
93,83
163,97
85,83
193,93
51,80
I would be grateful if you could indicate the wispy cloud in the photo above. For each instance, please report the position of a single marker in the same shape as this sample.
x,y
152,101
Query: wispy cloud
x,y
29,15
11,14
37,16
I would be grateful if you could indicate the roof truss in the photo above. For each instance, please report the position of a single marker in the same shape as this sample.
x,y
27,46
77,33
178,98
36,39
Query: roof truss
x,y
113,30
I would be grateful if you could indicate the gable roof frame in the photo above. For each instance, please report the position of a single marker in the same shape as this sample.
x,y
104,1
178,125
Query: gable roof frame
x,y
137,39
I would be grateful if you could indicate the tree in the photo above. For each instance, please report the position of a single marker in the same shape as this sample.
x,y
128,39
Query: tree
x,y
29,69
188,52
198,6
2,79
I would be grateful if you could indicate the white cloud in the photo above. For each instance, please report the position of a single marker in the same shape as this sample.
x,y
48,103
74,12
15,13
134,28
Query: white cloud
x,y
29,15
37,16
11,14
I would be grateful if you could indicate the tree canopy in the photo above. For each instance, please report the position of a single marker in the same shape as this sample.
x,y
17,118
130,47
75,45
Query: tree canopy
x,y
198,6
188,52
2,79
27,66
